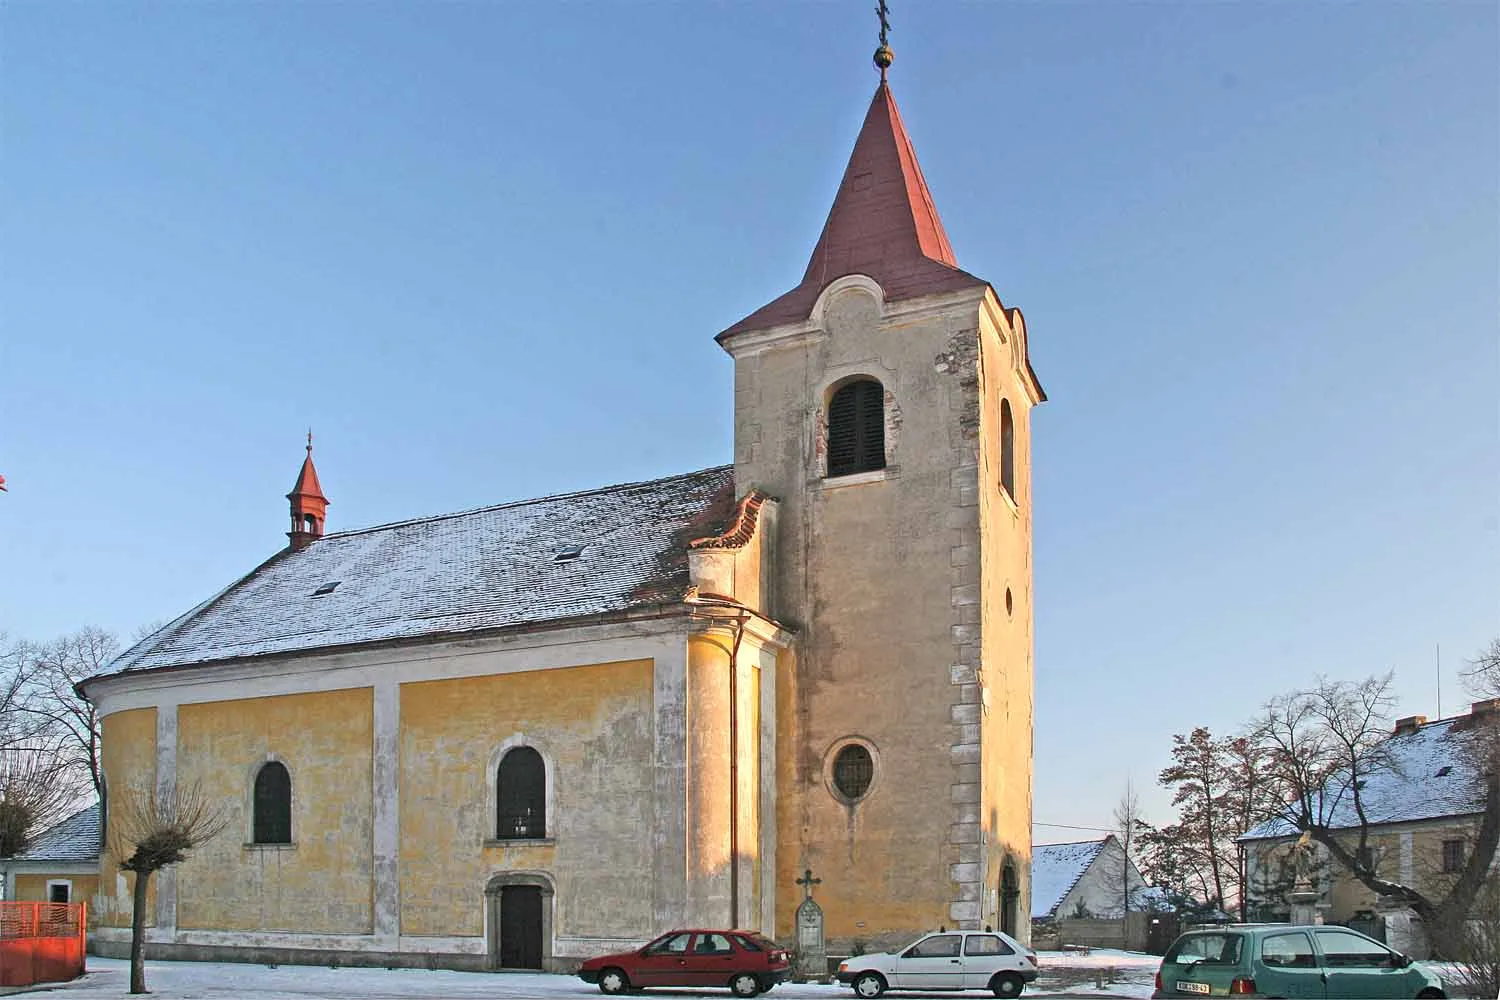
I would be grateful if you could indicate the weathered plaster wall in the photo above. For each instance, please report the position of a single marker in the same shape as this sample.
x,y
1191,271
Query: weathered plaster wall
x,y
128,754
593,726
1002,682
867,567
33,888
321,883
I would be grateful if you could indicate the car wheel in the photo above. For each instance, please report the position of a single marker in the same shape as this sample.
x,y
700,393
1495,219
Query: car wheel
x,y
869,985
744,985
1006,985
1431,994
614,982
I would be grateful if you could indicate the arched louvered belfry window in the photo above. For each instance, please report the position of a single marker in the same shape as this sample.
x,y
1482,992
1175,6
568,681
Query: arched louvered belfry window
x,y
273,804
521,795
856,428
1007,449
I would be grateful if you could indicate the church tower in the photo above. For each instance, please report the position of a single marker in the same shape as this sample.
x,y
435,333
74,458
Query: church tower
x,y
886,401
309,505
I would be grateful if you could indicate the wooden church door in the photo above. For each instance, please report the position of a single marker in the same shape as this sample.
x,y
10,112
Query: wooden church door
x,y
521,927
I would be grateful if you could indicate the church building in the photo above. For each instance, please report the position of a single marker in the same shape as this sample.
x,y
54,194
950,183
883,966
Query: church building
x,y
519,736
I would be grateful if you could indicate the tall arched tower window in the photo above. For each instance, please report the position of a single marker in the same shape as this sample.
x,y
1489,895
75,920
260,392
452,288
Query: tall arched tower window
x,y
521,796
856,428
273,804
1007,449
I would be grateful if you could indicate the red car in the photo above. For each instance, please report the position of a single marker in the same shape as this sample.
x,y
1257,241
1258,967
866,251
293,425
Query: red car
x,y
744,961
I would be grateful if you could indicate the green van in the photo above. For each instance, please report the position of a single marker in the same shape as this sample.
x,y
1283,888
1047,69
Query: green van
x,y
1285,960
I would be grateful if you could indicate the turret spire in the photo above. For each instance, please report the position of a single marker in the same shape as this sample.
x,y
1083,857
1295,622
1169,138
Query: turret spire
x,y
309,505
883,223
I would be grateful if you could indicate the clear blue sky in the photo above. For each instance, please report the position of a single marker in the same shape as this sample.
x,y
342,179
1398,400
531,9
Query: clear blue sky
x,y
483,248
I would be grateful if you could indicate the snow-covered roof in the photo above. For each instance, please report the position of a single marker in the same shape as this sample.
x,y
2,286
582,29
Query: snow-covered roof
x,y
1431,775
75,839
496,567
1056,869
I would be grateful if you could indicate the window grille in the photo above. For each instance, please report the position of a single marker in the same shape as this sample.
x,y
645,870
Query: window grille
x,y
273,804
856,428
521,796
853,770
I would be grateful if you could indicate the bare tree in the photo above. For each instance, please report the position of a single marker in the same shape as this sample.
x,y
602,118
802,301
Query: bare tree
x,y
1482,678
36,791
148,831
1322,745
18,665
55,702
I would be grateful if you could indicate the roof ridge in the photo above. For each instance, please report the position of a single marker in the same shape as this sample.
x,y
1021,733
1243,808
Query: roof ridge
x,y
1075,843
522,503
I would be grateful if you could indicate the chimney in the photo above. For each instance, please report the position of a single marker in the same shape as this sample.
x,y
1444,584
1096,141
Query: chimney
x,y
1485,709
1410,724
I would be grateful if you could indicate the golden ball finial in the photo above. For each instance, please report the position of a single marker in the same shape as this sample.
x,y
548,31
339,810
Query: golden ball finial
x,y
884,57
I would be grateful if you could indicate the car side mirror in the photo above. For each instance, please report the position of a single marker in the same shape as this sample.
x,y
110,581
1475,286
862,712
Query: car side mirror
x,y
1400,961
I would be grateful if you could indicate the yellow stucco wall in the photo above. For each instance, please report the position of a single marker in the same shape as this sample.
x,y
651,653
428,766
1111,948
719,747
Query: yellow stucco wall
x,y
33,888
1006,682
320,884
594,725
128,754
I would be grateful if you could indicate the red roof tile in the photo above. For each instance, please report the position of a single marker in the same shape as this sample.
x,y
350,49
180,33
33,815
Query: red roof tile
x,y
883,224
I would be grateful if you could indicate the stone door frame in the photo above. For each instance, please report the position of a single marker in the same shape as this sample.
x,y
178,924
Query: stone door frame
x,y
492,892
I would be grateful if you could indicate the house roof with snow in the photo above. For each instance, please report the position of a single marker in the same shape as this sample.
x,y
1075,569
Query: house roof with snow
x,y
533,562
74,840
1056,869
1431,775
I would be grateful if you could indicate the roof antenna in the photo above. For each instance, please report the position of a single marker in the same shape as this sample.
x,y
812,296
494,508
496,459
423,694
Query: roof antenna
x,y
883,55
1437,649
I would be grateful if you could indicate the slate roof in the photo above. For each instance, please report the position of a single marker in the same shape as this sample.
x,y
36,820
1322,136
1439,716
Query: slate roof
x,y
1056,869
1411,788
73,841
483,569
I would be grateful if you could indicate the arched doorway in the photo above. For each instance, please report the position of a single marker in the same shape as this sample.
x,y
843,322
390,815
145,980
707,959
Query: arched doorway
x,y
1010,894
518,920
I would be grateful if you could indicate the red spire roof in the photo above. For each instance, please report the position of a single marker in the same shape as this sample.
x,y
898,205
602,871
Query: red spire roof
x,y
883,224
309,505
307,481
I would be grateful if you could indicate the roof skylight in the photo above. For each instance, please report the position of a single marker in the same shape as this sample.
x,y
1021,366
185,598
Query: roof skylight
x,y
1443,771
568,553
326,589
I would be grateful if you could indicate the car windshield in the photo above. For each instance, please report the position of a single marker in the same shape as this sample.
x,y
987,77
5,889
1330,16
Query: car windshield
x,y
1205,949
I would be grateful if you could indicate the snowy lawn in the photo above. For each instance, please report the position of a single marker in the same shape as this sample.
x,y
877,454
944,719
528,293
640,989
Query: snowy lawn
x,y
1063,973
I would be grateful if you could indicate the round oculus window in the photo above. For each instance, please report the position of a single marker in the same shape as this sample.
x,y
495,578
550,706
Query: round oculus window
x,y
853,770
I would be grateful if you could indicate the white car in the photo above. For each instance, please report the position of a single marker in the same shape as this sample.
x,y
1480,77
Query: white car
x,y
947,961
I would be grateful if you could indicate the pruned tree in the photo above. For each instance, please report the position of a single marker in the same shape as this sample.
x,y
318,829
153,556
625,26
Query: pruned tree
x,y
1321,746
149,830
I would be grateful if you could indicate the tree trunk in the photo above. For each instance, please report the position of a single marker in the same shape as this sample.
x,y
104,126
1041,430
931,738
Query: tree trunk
x,y
138,934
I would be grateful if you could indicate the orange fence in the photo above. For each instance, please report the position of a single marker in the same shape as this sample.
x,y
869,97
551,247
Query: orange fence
x,y
41,942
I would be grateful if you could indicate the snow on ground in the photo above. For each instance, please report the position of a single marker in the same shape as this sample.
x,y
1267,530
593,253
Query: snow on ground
x,y
1063,973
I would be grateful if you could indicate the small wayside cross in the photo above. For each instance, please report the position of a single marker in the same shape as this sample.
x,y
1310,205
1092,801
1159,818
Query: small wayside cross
x,y
807,882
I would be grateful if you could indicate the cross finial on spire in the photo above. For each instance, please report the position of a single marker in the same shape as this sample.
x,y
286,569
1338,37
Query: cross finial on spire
x,y
883,55
309,440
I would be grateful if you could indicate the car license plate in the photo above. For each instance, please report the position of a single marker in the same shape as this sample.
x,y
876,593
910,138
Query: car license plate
x,y
1193,988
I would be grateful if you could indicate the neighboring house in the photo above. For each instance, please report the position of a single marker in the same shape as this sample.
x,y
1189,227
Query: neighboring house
x,y
62,865
1423,812
533,732
1083,880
